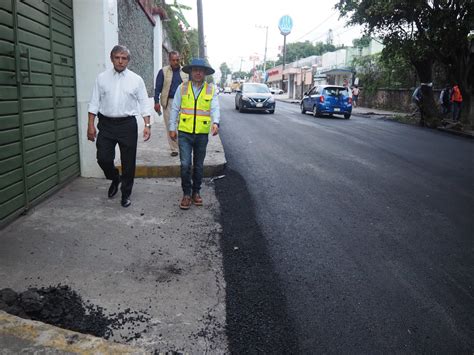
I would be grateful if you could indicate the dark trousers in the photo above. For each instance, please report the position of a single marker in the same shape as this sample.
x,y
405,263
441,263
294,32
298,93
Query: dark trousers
x,y
123,132
192,145
456,110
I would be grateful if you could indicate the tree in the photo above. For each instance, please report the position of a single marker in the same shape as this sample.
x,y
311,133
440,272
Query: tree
x,y
364,41
241,75
182,37
376,71
225,70
422,31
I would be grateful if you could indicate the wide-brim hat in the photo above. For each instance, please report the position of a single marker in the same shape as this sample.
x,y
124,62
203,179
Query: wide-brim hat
x,y
198,63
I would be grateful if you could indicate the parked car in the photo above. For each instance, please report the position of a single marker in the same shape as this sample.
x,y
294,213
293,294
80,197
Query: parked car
x,y
277,91
254,97
227,90
327,99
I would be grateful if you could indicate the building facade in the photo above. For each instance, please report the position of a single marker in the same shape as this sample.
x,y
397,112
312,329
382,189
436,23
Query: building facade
x,y
51,52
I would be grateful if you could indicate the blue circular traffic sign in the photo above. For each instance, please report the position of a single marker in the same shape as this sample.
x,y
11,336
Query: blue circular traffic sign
x,y
285,25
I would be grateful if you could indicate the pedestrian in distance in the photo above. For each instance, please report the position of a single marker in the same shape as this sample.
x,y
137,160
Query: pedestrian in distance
x,y
167,80
118,96
417,99
456,101
445,100
197,105
355,95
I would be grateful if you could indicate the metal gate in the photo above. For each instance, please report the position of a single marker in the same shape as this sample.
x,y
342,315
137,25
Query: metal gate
x,y
39,148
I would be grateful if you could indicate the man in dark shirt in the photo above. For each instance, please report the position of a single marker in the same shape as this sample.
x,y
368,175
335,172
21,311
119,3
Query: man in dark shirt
x,y
167,80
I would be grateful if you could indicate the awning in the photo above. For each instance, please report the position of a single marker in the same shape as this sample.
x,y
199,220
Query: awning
x,y
337,71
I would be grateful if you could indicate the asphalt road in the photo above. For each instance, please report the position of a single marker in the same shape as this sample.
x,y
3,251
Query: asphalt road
x,y
345,236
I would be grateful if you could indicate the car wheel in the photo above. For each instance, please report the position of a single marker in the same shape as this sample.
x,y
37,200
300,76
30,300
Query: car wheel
x,y
303,111
316,112
271,111
236,107
347,116
241,109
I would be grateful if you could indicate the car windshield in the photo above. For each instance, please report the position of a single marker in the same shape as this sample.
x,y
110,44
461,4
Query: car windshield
x,y
255,88
335,91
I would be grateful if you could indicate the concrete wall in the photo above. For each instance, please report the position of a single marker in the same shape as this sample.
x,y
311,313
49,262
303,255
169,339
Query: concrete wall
x,y
389,99
136,32
398,100
95,33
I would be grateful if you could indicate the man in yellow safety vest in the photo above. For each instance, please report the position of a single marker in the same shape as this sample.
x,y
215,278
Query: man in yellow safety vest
x,y
197,105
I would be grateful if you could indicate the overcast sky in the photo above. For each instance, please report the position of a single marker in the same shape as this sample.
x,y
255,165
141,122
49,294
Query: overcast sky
x,y
231,33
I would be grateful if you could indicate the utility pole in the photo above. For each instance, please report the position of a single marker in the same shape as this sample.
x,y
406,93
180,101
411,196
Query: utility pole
x,y
265,53
202,53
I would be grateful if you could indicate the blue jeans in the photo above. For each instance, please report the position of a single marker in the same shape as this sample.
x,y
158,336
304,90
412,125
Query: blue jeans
x,y
194,145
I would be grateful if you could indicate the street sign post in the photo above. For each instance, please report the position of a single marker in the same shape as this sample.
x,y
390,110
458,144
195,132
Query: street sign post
x,y
285,26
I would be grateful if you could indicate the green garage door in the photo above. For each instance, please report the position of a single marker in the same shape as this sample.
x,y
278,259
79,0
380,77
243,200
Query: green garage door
x,y
38,124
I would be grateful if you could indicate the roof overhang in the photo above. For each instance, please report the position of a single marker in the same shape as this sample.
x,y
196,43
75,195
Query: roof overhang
x,y
336,71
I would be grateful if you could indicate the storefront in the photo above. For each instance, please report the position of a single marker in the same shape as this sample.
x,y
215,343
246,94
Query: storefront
x,y
274,76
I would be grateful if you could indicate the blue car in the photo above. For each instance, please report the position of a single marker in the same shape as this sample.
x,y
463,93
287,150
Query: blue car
x,y
327,99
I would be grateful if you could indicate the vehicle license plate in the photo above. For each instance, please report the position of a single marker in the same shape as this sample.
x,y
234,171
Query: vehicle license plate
x,y
337,109
259,105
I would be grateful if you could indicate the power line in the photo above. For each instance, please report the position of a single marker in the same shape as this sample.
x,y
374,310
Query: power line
x,y
334,33
320,24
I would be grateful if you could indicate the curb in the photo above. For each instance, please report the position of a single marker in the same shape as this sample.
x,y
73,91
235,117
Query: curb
x,y
457,133
20,335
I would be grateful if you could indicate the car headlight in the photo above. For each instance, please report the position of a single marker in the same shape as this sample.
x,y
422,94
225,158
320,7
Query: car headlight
x,y
245,98
271,100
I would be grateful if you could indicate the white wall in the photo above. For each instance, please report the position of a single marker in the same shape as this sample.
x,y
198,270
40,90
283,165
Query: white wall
x,y
157,47
95,33
334,59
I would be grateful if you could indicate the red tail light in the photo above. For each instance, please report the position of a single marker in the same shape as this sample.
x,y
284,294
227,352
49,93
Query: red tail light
x,y
350,100
321,99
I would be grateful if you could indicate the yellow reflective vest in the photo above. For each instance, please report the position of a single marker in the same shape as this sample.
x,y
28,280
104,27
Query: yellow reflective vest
x,y
195,114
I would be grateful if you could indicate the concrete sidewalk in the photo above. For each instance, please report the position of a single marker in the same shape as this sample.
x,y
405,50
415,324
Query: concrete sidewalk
x,y
153,269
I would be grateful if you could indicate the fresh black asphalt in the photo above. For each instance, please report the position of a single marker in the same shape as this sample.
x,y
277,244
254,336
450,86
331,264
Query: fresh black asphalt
x,y
345,236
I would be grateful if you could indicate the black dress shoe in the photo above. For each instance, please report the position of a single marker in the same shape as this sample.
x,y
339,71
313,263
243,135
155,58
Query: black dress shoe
x,y
125,202
113,189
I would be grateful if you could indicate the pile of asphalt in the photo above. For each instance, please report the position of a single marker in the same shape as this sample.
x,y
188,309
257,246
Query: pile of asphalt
x,y
62,307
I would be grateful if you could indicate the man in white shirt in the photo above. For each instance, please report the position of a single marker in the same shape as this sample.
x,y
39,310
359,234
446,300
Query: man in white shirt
x,y
118,96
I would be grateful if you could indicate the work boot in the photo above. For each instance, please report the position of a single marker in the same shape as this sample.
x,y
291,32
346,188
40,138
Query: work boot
x,y
197,200
185,202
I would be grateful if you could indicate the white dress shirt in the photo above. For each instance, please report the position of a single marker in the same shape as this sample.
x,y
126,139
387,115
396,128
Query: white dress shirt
x,y
119,94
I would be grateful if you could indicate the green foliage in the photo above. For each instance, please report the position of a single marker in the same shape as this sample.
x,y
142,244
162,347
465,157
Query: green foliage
x,y
192,49
225,70
377,71
241,75
182,38
362,42
423,32
298,50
